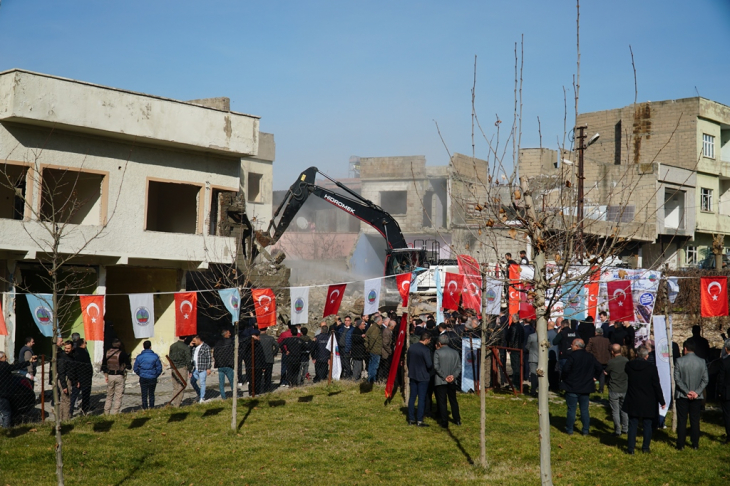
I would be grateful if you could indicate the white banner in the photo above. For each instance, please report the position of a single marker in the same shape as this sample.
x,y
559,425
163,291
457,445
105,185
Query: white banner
x,y
336,362
299,305
470,363
372,295
493,296
662,351
143,315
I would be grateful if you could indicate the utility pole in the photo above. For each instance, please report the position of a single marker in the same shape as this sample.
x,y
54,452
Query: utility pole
x,y
581,146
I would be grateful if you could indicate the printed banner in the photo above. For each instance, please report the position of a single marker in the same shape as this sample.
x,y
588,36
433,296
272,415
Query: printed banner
x,y
452,290
299,297
232,300
334,299
403,281
264,302
336,362
92,313
662,352
673,288
143,315
493,296
574,302
41,308
186,313
470,364
372,295
439,297
3,327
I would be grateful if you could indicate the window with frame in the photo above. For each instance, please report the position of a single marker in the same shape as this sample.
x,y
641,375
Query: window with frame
x,y
708,146
706,199
691,255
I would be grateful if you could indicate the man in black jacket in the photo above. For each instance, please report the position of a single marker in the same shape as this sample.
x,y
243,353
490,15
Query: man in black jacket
x,y
83,372
270,348
723,389
642,396
291,350
223,355
419,373
65,372
564,340
578,377
320,354
5,386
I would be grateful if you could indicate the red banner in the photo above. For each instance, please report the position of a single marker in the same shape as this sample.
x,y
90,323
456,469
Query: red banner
x,y
592,293
527,309
468,265
92,313
453,284
186,313
264,303
713,296
395,361
620,301
3,327
472,294
334,299
404,287
514,294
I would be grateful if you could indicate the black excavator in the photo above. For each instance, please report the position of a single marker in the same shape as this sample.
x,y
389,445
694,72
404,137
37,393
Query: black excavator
x,y
399,258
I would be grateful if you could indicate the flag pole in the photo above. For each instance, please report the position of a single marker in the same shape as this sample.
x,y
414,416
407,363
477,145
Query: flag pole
x,y
332,357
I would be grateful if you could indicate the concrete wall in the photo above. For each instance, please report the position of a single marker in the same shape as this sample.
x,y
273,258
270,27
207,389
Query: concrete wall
x,y
260,209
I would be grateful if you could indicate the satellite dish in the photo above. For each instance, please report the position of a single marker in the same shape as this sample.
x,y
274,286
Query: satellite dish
x,y
302,223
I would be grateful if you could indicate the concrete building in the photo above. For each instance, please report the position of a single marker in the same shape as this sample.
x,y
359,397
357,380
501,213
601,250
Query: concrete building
x,y
661,165
146,174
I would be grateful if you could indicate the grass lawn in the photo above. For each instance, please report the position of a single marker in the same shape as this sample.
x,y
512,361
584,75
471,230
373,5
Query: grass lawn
x,y
338,435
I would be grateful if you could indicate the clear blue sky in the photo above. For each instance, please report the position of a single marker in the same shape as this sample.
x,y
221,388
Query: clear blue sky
x,y
337,78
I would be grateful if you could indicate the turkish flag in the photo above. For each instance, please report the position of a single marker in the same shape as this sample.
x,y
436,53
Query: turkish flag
x,y
592,293
404,287
92,313
514,294
264,302
468,265
186,313
620,301
713,296
472,294
334,299
3,327
452,290
395,361
527,309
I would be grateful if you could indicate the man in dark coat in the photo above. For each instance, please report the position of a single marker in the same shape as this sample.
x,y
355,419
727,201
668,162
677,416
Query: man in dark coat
x,y
5,386
690,379
600,347
578,380
291,351
223,354
564,340
623,334
270,348
723,389
419,373
642,396
320,353
83,372
358,352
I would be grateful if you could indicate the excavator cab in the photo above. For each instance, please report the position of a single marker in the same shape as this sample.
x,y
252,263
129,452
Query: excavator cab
x,y
404,260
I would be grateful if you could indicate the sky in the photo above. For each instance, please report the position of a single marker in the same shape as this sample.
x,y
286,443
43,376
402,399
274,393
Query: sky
x,y
331,79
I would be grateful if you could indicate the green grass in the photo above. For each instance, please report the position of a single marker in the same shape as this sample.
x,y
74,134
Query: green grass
x,y
337,435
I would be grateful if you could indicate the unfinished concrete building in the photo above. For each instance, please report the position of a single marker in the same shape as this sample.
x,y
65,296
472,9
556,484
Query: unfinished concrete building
x,y
145,172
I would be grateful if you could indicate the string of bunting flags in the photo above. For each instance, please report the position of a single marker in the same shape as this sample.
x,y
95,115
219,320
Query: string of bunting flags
x,y
626,295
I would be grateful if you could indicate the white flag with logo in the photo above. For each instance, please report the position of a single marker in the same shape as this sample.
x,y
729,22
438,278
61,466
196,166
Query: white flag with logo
x,y
143,315
493,296
336,363
372,295
662,349
299,297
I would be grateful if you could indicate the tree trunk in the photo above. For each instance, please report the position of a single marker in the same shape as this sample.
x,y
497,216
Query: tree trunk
x,y
482,379
54,375
543,407
234,398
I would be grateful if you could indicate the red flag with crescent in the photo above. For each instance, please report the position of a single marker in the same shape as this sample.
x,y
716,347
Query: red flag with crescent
x,y
453,284
472,295
620,301
3,327
467,265
527,308
186,313
713,296
334,299
264,302
92,313
404,287
395,361
514,293
592,290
